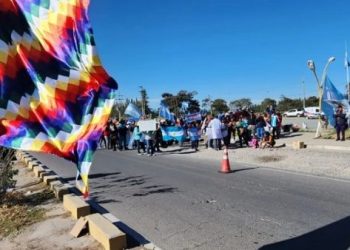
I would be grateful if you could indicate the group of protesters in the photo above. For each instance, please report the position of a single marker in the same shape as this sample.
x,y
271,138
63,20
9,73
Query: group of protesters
x,y
257,130
253,130
122,135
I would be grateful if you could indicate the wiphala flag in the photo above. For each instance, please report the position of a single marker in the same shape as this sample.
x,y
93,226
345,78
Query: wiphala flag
x,y
55,96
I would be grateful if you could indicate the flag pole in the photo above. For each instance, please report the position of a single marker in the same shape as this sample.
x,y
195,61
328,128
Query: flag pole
x,y
347,71
347,75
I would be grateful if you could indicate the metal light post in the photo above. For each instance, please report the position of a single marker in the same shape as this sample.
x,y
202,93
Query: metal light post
x,y
303,86
312,67
142,100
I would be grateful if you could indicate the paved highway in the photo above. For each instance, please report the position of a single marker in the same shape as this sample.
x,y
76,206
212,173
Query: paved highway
x,y
311,124
183,204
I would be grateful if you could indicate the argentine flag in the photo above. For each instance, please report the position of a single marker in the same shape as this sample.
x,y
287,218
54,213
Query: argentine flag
x,y
133,111
165,112
173,132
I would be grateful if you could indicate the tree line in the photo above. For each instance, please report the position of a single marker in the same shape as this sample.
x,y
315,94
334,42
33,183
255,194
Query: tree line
x,y
184,102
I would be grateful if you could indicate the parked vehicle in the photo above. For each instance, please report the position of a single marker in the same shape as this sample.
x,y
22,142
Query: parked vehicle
x,y
312,112
294,112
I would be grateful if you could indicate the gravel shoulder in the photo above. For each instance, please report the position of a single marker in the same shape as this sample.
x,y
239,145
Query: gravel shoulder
x,y
53,232
321,157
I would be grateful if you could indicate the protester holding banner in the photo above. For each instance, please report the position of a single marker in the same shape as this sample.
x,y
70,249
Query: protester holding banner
x,y
149,138
340,123
137,135
194,134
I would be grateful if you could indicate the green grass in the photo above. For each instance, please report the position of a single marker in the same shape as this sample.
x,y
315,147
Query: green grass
x,y
333,135
18,211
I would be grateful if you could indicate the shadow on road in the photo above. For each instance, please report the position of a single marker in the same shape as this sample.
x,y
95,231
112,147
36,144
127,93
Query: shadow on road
x,y
92,176
156,191
332,236
241,169
290,135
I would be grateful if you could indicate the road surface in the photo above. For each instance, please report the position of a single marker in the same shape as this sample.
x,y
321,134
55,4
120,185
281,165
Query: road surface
x,y
183,204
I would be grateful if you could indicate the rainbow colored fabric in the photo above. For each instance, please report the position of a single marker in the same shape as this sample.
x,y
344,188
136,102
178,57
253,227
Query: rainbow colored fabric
x,y
55,96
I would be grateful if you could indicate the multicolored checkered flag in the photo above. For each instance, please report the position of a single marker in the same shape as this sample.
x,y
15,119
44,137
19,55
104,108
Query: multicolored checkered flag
x,y
55,96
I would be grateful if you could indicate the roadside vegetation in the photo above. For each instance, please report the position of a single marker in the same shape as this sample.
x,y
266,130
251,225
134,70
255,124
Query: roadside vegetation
x,y
333,135
18,209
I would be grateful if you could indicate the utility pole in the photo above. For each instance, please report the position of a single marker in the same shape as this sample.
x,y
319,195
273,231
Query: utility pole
x,y
119,98
303,87
347,71
142,93
320,85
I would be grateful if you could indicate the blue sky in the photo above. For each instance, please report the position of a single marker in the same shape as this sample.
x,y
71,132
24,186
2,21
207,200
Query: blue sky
x,y
226,49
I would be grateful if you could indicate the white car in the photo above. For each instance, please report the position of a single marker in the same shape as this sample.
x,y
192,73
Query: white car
x,y
312,112
294,112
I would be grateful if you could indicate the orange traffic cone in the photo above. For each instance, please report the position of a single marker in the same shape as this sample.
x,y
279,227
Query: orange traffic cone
x,y
225,163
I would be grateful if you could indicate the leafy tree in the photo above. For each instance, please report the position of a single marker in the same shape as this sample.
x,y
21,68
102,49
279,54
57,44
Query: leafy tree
x,y
268,102
311,101
240,103
171,101
286,103
219,106
207,104
193,106
175,102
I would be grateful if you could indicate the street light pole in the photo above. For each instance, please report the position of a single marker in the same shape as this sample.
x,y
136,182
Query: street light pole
x,y
312,67
303,85
142,100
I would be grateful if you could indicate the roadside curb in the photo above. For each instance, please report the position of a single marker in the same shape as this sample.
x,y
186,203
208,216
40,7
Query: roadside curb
x,y
323,147
103,226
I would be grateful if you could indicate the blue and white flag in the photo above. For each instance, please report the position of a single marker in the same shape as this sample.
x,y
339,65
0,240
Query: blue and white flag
x,y
346,61
173,132
331,98
193,117
165,112
133,111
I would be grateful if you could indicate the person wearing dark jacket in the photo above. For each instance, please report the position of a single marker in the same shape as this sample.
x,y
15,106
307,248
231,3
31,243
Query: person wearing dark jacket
x,y
158,139
340,123
122,131
113,133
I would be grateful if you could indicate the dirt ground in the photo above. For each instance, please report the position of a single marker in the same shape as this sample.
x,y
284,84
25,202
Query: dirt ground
x,y
52,231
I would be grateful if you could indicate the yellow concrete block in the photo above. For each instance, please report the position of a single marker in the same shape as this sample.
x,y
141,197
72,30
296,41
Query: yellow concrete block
x,y
46,172
50,178
55,183
37,170
60,191
27,159
31,164
298,145
76,205
106,233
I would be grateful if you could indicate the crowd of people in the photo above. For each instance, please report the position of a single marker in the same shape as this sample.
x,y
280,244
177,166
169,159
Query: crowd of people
x,y
252,130
241,128
121,135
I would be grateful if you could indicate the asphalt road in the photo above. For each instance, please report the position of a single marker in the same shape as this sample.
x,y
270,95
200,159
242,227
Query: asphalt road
x,y
182,204
311,124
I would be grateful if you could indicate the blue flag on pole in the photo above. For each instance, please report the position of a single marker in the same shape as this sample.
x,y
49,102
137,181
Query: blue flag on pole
x,y
165,112
133,111
346,61
173,132
193,117
331,98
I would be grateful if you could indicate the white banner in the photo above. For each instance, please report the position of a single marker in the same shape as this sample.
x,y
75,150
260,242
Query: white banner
x,y
147,125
